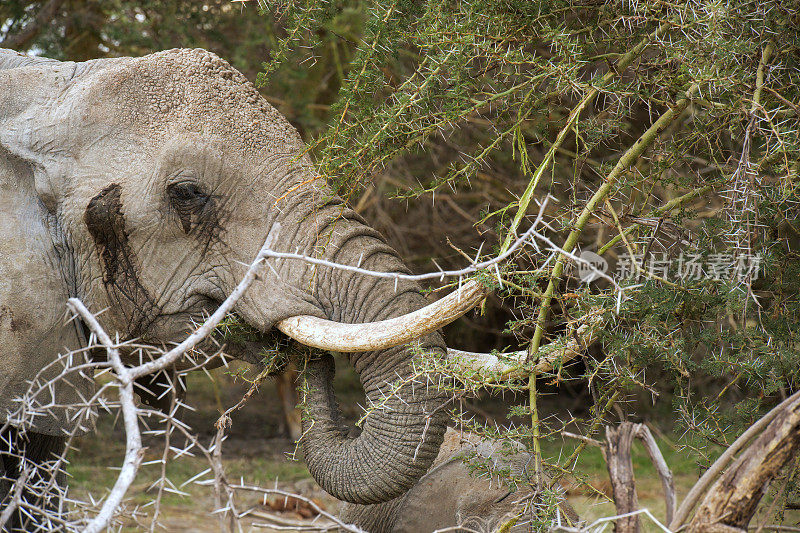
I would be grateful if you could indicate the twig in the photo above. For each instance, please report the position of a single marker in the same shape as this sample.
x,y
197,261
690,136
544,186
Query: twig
x,y
588,440
777,95
297,525
606,519
639,269
220,480
667,481
666,208
16,496
628,159
620,67
471,269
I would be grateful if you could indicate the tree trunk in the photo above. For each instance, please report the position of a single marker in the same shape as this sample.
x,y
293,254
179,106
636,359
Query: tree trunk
x,y
617,453
731,503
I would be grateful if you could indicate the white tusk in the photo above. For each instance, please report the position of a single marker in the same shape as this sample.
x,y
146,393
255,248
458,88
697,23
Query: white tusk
x,y
511,365
486,362
339,337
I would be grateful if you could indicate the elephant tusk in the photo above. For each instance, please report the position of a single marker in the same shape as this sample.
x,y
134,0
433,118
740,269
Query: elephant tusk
x,y
512,365
505,363
339,337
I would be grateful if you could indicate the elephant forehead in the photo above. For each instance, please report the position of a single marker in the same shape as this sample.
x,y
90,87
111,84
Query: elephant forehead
x,y
192,90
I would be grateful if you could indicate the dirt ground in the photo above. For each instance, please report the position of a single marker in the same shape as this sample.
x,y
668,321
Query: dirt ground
x,y
258,451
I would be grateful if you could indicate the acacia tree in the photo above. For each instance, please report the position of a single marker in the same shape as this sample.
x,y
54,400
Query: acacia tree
x,y
667,133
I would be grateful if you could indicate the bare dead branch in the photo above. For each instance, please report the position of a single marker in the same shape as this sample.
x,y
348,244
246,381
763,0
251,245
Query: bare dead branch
x,y
667,481
441,274
700,488
733,499
588,440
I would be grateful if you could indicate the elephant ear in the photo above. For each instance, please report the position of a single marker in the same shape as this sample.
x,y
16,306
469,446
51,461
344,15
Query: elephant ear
x,y
28,85
28,88
32,126
34,257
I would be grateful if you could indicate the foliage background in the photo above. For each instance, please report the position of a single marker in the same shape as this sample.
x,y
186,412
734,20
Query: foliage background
x,y
434,119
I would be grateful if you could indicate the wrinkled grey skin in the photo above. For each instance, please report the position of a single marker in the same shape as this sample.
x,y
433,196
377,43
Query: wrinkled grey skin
x,y
463,488
144,186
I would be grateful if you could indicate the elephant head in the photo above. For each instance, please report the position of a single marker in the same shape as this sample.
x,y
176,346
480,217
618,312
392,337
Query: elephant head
x,y
147,185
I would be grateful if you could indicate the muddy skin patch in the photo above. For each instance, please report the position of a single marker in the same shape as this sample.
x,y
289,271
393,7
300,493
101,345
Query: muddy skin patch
x,y
19,324
106,224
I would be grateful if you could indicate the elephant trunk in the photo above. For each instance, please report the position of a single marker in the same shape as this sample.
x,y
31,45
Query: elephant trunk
x,y
405,424
397,444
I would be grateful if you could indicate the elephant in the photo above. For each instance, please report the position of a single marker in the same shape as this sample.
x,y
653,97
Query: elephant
x,y
145,187
467,486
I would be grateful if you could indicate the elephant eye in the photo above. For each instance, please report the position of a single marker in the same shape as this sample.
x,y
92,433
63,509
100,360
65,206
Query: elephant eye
x,y
189,202
186,193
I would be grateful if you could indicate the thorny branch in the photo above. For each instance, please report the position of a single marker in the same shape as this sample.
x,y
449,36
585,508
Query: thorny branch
x,y
16,496
133,438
